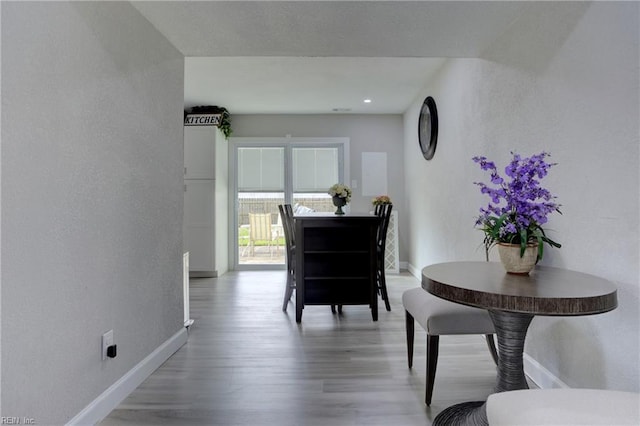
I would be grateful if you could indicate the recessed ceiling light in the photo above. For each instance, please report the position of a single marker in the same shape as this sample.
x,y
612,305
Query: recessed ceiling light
x,y
367,101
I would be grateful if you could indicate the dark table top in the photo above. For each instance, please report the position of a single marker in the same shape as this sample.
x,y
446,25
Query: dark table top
x,y
329,215
545,291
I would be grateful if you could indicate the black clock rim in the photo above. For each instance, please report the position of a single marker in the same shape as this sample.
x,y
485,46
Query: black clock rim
x,y
430,149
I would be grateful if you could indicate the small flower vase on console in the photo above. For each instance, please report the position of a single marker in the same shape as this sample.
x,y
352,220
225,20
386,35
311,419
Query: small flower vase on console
x,y
511,260
339,202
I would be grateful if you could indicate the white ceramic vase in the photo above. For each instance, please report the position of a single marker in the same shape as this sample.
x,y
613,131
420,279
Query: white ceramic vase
x,y
511,260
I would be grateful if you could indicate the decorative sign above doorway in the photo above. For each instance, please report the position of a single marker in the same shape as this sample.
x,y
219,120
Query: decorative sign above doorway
x,y
202,119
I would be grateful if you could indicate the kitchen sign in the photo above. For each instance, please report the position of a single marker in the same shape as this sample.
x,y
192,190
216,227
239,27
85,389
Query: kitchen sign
x,y
203,120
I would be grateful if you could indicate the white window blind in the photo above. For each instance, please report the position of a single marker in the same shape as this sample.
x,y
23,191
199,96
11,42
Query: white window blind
x,y
261,169
315,169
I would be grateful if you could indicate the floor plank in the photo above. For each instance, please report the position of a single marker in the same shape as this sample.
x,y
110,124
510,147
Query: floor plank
x,y
248,363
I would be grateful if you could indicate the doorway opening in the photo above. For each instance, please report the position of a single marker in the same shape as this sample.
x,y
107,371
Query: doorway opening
x,y
272,171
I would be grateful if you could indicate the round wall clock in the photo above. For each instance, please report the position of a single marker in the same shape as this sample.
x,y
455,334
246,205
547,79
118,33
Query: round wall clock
x,y
428,128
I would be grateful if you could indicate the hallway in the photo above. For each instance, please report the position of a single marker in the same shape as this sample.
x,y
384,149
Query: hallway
x,y
248,363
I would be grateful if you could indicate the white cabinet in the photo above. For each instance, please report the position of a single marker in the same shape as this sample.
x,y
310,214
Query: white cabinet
x,y
199,152
205,229
199,232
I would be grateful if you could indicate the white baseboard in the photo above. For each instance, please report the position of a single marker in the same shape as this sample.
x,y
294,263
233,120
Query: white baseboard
x,y
542,377
414,271
100,407
203,274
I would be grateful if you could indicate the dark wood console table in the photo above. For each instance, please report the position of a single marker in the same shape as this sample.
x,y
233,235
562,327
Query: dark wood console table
x,y
512,302
336,260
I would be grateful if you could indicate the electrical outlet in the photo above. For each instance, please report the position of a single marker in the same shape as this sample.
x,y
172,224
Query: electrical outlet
x,y
107,340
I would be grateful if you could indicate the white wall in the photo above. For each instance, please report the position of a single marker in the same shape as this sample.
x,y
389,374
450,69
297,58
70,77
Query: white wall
x,y
366,133
563,79
92,100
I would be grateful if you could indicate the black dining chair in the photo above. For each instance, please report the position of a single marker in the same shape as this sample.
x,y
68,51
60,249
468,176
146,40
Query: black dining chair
x,y
286,214
384,212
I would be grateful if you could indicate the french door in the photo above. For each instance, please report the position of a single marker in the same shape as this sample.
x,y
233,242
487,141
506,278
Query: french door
x,y
272,171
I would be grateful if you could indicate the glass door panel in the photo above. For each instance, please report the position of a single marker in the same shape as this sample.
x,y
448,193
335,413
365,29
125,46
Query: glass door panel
x,y
260,190
314,170
269,173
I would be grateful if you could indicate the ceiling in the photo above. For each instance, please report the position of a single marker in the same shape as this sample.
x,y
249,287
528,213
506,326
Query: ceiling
x,y
310,57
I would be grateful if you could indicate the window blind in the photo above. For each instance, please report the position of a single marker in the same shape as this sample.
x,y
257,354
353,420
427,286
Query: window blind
x,y
261,169
315,169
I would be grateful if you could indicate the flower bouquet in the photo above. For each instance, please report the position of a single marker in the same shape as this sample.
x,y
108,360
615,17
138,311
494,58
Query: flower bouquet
x,y
341,195
519,207
381,200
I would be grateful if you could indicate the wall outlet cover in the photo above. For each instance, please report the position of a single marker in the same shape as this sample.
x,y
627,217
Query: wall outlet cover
x,y
107,340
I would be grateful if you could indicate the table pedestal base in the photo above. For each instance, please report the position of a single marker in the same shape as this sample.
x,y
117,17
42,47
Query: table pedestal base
x,y
511,330
467,413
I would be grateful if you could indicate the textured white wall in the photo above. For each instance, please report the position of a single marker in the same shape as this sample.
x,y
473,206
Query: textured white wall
x,y
563,79
367,133
92,200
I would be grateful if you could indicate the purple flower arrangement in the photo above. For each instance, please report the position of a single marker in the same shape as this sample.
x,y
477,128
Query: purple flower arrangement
x,y
518,207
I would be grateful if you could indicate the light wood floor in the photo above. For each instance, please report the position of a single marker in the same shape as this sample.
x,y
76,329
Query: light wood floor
x,y
249,363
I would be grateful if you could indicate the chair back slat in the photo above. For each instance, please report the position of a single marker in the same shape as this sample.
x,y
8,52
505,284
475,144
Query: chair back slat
x,y
260,226
384,212
288,211
286,226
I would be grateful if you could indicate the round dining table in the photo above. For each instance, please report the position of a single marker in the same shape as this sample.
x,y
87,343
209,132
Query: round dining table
x,y
513,301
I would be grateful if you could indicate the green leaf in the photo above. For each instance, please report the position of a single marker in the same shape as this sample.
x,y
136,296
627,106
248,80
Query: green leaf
x,y
523,241
540,250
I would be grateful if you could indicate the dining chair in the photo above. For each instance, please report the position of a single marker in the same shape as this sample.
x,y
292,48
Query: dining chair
x,y
384,212
286,214
260,230
440,317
